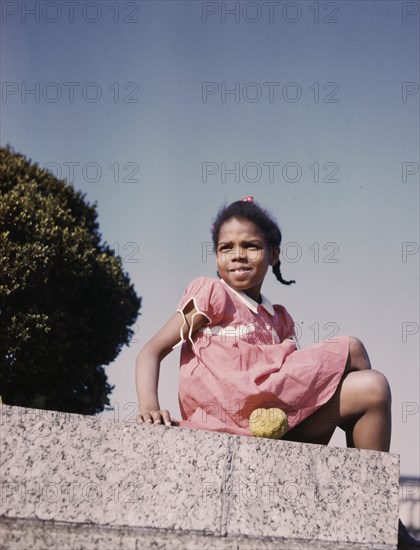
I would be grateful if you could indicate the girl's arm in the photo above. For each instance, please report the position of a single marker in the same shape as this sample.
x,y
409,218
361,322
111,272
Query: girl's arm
x,y
148,363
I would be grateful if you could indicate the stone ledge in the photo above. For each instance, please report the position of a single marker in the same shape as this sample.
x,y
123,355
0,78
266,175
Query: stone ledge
x,y
66,469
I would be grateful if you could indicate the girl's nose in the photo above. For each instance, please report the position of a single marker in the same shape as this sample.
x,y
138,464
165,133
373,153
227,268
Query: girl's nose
x,y
240,253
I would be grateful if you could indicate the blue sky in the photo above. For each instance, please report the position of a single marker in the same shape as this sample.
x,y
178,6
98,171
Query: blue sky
x,y
322,127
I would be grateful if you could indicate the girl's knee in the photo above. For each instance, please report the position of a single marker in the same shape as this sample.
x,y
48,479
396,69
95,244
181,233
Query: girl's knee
x,y
358,358
356,346
377,388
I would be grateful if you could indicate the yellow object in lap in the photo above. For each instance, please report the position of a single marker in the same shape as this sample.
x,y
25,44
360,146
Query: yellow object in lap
x,y
271,423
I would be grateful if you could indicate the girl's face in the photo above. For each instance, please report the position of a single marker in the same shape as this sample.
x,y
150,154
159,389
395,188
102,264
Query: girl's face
x,y
243,256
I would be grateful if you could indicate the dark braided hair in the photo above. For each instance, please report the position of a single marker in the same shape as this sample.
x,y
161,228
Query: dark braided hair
x,y
250,211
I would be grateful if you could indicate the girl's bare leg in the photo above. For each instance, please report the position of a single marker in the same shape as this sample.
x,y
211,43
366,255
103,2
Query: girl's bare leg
x,y
361,405
358,359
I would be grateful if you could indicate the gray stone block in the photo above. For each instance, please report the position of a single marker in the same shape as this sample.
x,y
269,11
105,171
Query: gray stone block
x,y
81,469
285,489
67,469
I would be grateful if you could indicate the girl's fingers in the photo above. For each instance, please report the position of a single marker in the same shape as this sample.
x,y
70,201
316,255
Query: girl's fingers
x,y
166,418
156,417
162,417
144,418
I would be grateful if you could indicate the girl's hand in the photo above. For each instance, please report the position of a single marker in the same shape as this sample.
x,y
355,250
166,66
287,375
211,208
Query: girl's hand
x,y
156,417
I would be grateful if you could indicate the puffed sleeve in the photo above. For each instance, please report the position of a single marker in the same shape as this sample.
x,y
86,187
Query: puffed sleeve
x,y
209,299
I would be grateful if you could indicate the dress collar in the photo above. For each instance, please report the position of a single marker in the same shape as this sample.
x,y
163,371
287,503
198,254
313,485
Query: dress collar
x,y
249,302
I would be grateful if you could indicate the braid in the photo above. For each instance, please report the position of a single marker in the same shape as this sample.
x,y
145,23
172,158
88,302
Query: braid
x,y
250,211
279,276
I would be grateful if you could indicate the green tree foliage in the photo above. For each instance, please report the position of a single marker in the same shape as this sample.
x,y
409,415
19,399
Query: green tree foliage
x,y
66,306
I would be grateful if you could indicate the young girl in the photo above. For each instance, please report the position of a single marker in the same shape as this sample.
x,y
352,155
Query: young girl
x,y
239,353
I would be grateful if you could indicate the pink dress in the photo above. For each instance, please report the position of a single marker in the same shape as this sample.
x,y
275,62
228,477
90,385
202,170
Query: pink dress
x,y
245,358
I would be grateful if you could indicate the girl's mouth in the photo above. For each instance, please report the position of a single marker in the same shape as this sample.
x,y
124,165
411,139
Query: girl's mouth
x,y
240,270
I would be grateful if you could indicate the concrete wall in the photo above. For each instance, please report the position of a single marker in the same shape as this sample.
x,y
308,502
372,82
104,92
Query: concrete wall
x,y
70,474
